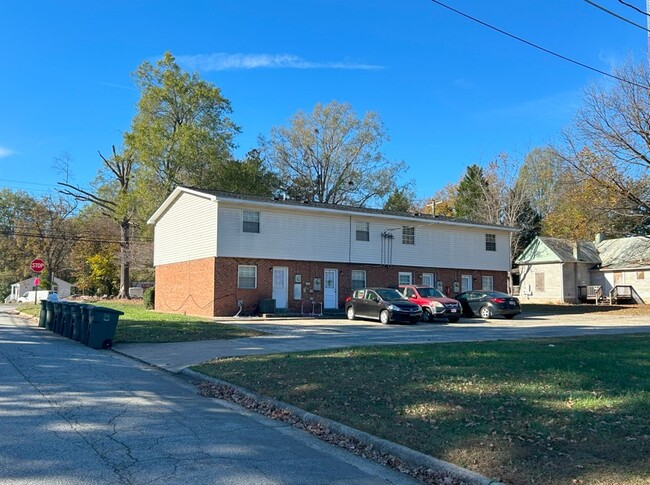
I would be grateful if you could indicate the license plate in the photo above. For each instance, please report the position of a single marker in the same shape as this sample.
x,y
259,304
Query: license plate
x,y
453,310
512,303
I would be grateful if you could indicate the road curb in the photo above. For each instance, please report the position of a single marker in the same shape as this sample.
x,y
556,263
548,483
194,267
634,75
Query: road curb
x,y
413,459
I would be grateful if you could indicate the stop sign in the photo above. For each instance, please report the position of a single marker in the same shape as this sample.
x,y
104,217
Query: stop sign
x,y
38,265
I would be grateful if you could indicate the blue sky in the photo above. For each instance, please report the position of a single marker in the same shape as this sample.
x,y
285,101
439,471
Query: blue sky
x,y
449,91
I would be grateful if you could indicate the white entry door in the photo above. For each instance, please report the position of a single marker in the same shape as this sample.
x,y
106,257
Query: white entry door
x,y
331,289
281,286
465,283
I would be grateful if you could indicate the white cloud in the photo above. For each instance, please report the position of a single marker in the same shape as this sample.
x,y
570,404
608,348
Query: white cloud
x,y
221,61
5,152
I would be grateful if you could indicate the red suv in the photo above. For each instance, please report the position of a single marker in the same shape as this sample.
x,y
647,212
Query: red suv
x,y
434,304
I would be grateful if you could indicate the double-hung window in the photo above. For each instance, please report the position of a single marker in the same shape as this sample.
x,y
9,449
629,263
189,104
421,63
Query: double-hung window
x,y
363,231
490,242
358,278
488,282
408,234
251,221
247,276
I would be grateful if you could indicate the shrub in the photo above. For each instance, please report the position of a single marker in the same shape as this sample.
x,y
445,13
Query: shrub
x,y
149,298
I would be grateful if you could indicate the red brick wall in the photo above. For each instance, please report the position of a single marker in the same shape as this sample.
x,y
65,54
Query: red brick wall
x,y
208,287
186,288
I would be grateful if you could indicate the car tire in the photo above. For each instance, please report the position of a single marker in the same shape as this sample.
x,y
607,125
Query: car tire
x,y
509,317
350,313
485,312
453,319
426,315
384,317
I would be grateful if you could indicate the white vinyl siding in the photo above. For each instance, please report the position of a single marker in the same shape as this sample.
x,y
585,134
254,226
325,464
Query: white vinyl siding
x,y
186,231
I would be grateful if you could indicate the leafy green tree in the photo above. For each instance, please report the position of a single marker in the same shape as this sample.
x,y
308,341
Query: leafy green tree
x,y
102,271
401,200
248,176
181,133
332,156
471,195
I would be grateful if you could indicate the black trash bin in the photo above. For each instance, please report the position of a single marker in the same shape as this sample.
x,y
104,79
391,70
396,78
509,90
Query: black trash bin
x,y
42,318
58,317
102,327
49,318
85,319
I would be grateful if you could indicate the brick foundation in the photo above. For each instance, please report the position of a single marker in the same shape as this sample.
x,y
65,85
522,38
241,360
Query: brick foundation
x,y
208,287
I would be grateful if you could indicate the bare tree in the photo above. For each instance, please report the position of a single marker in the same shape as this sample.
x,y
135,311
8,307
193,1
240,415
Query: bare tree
x,y
610,140
115,199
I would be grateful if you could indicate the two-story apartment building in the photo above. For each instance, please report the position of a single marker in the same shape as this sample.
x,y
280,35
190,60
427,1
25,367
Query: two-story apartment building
x,y
216,252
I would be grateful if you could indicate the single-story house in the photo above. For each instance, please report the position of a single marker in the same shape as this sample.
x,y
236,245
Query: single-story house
x,y
559,270
63,288
216,253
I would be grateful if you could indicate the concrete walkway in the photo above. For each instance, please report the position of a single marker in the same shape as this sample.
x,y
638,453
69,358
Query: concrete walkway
x,y
312,334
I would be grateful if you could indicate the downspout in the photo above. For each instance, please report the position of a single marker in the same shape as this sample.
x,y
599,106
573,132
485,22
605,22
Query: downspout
x,y
350,241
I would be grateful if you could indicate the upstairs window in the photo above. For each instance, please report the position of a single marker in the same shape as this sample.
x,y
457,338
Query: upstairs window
x,y
251,221
490,242
363,231
408,234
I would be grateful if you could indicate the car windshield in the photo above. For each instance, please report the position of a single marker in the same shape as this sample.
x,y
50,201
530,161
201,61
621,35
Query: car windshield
x,y
430,293
390,295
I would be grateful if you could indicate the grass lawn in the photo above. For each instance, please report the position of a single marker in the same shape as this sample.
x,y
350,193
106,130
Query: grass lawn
x,y
139,325
550,411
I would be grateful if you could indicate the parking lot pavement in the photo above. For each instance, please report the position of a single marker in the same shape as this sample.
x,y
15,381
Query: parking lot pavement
x,y
70,414
311,334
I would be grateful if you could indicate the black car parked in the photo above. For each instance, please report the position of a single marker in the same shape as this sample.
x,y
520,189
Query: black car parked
x,y
385,304
488,304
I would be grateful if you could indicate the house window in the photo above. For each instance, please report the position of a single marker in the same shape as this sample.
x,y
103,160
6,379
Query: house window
x,y
247,276
251,221
427,279
539,281
490,242
408,234
358,279
488,282
640,275
363,231
405,278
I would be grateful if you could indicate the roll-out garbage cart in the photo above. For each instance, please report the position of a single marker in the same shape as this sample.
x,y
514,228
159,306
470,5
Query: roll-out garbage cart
x,y
102,327
75,310
58,317
85,319
43,315
49,318
66,328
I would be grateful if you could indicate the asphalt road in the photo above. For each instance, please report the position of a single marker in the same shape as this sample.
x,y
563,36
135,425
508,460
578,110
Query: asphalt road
x,y
73,415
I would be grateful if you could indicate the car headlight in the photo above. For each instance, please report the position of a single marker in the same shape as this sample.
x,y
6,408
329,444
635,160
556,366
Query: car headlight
x,y
393,308
437,304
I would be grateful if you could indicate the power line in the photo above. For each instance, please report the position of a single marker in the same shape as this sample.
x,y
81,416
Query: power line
x,y
543,49
634,7
614,14
139,240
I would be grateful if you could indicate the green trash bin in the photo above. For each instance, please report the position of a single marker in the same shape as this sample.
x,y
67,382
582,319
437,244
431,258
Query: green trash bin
x,y
102,326
42,318
75,311
66,328
49,318
83,327
58,317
